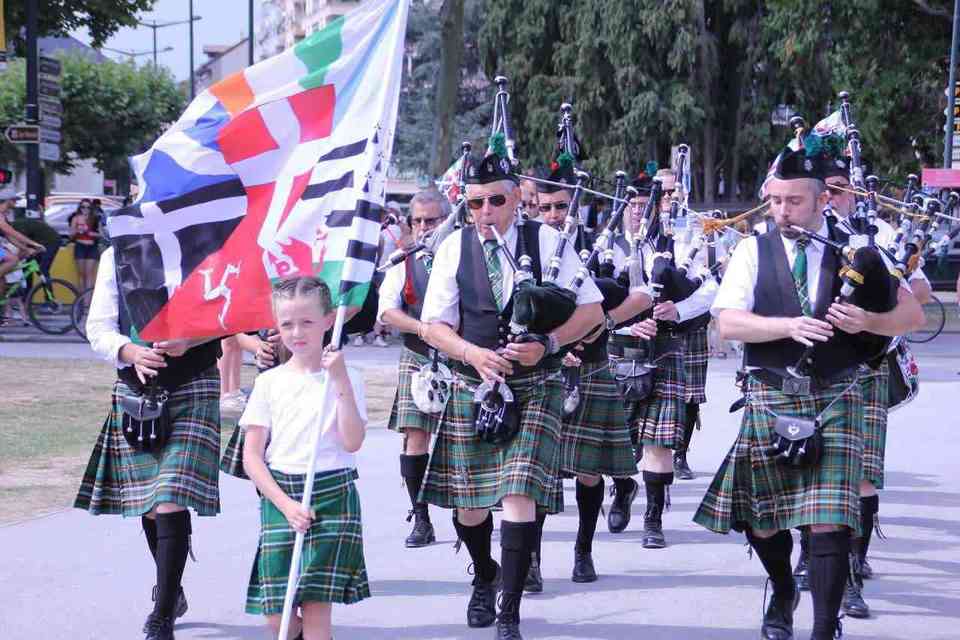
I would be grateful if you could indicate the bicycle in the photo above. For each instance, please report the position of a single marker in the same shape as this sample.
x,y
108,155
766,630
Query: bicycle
x,y
49,301
936,319
78,315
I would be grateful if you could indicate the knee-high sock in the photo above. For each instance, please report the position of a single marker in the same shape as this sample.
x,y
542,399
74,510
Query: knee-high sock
x,y
829,567
624,485
656,485
173,545
589,501
774,553
805,542
693,413
541,518
413,469
477,540
517,541
150,533
869,507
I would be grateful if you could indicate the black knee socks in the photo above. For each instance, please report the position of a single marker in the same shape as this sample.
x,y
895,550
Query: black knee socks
x,y
829,567
150,533
693,414
589,501
774,553
477,540
517,541
413,469
868,510
656,485
541,518
173,545
623,485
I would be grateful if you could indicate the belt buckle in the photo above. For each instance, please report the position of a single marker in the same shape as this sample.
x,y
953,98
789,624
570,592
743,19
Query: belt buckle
x,y
799,386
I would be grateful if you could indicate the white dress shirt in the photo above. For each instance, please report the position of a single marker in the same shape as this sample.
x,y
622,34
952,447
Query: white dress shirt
x,y
886,237
442,302
391,289
103,317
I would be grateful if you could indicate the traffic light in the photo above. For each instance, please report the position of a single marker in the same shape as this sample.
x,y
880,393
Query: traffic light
x,y
6,176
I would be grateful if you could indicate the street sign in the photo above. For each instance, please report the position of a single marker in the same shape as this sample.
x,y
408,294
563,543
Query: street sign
x,y
51,121
50,135
49,152
51,106
940,178
49,88
23,134
50,66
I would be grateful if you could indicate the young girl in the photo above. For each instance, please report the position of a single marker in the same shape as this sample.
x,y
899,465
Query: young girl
x,y
280,417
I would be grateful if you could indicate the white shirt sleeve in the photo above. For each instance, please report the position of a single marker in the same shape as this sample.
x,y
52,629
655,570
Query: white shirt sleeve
x,y
257,410
740,279
391,290
699,302
570,263
103,317
441,303
359,392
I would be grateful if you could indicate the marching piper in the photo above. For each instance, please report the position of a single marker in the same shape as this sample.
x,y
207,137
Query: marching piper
x,y
797,461
511,453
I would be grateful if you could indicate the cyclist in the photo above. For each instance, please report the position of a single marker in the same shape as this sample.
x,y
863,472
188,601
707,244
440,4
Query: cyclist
x,y
22,246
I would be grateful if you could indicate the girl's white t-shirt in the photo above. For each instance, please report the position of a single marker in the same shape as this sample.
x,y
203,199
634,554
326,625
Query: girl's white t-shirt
x,y
287,403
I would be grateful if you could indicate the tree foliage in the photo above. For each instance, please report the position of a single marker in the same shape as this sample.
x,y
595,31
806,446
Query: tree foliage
x,y
102,18
110,110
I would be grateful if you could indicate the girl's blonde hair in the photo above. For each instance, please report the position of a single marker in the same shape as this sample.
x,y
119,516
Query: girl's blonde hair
x,y
302,287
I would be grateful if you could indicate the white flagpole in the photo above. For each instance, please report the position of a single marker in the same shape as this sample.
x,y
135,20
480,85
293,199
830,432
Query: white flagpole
x,y
294,577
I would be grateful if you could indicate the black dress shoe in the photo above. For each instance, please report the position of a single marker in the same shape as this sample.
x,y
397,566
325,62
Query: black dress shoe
x,y
160,628
534,581
778,619
802,573
508,620
178,610
866,571
653,537
482,608
681,469
853,603
583,569
422,534
619,516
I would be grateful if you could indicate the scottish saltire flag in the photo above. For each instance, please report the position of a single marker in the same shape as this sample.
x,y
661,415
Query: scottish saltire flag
x,y
277,171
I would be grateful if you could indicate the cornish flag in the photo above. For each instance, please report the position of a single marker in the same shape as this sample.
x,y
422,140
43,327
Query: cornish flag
x,y
276,171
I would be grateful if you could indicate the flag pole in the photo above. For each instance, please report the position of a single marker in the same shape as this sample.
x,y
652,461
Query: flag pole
x,y
294,576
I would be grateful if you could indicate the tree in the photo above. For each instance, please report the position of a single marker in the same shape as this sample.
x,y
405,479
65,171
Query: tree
x,y
110,110
448,82
102,18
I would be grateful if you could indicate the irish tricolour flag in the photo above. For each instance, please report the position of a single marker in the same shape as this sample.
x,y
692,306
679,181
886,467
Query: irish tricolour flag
x,y
236,193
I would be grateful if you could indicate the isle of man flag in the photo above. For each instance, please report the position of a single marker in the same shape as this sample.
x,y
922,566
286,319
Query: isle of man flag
x,y
237,192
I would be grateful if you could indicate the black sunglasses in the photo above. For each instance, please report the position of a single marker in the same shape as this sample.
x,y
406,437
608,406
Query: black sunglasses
x,y
496,200
559,206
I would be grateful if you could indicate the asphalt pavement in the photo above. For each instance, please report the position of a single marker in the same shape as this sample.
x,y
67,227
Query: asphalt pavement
x,y
71,575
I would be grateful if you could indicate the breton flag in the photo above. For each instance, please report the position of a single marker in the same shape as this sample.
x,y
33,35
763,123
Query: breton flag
x,y
276,171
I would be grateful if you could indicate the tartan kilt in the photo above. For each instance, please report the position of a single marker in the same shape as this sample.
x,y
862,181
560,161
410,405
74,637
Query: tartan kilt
x,y
874,383
466,472
752,490
405,414
332,567
658,420
119,480
596,437
232,461
696,355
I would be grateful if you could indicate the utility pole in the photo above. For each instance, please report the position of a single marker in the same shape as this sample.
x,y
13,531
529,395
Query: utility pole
x,y
33,111
250,33
951,90
193,84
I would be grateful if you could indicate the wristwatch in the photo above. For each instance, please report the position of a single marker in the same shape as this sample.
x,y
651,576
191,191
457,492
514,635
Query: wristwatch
x,y
609,322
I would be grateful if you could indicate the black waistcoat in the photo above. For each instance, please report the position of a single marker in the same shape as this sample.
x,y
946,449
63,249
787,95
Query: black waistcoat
x,y
775,295
420,279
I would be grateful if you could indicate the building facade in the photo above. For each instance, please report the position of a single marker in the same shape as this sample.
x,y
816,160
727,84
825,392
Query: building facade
x,y
222,61
284,23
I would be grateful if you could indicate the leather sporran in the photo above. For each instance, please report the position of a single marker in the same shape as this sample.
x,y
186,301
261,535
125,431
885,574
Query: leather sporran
x,y
571,390
634,380
797,441
144,418
496,416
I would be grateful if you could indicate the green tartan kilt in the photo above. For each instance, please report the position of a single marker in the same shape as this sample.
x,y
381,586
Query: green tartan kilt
x,y
119,480
696,355
874,383
752,490
232,461
596,437
332,568
466,472
405,414
659,419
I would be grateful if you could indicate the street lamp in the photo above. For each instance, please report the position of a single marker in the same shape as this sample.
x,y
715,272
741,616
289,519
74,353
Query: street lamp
x,y
161,25
134,54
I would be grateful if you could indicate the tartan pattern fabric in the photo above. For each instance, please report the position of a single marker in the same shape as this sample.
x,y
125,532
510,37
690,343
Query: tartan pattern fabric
x,y
232,461
696,356
800,275
753,490
596,437
405,414
119,480
494,270
466,472
874,383
659,420
332,567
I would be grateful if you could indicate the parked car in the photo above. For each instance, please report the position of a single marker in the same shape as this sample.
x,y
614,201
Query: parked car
x,y
58,207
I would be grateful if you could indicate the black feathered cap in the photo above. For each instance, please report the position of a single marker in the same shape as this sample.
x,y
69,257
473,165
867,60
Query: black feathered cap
x,y
562,174
642,183
795,164
487,169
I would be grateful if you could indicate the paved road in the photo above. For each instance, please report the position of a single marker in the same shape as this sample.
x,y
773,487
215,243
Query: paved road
x,y
71,575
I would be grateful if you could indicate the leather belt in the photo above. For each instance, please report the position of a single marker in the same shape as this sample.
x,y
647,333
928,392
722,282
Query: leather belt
x,y
549,362
792,386
416,345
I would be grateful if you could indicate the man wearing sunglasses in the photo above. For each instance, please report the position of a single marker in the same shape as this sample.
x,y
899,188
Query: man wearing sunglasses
x,y
528,198
468,306
401,300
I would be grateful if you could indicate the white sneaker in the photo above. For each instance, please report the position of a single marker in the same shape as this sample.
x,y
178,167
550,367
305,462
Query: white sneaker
x,y
380,342
358,341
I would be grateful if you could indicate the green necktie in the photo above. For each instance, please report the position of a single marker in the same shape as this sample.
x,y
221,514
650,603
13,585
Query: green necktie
x,y
800,275
494,270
